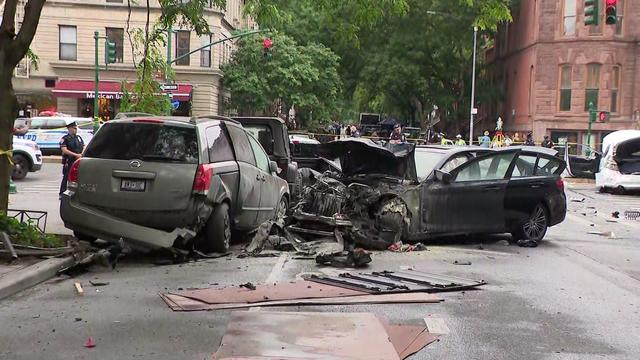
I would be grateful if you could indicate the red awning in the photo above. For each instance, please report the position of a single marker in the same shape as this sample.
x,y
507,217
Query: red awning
x,y
84,89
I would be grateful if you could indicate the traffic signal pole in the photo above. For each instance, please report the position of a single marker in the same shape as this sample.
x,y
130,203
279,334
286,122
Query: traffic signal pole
x,y
592,119
96,112
169,61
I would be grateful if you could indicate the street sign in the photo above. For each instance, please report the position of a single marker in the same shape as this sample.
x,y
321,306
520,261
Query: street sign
x,y
166,87
474,111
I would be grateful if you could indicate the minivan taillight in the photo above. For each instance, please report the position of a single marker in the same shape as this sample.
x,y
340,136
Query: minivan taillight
x,y
72,178
560,184
202,182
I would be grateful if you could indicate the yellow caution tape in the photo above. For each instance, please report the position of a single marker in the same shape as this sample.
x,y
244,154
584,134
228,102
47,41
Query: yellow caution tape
x,y
8,154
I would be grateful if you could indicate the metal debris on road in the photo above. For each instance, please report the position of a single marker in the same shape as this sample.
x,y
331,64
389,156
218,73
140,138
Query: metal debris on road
x,y
615,214
400,247
79,288
632,214
89,343
248,285
456,262
577,200
353,259
98,283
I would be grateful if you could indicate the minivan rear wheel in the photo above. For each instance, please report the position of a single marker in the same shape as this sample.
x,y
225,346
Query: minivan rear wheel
x,y
217,231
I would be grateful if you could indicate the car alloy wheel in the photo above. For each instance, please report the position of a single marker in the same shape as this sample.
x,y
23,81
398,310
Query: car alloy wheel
x,y
536,226
283,206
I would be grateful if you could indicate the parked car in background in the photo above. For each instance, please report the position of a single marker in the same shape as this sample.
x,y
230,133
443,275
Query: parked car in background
x,y
27,157
304,150
47,131
158,182
619,168
273,135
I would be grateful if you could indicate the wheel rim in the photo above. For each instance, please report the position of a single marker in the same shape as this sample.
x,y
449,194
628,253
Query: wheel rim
x,y
19,169
227,231
535,227
282,209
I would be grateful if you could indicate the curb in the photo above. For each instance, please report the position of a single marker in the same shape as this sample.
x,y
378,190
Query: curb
x,y
23,279
52,159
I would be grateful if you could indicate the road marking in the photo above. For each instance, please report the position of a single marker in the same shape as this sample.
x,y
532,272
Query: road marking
x,y
436,325
275,274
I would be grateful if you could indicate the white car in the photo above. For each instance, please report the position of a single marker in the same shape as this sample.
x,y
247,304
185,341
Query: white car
x,y
619,168
27,157
47,131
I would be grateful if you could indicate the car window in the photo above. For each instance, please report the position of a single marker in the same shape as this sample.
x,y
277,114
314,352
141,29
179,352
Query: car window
x,y
262,160
547,167
241,145
150,142
492,167
38,123
303,150
219,146
263,134
525,165
454,162
426,162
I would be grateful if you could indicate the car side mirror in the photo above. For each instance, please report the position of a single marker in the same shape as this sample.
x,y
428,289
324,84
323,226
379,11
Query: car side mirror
x,y
273,167
442,176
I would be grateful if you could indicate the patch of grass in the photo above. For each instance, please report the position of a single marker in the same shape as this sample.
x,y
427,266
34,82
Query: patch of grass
x,y
27,233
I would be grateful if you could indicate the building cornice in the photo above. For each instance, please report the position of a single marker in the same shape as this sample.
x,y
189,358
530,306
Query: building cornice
x,y
130,68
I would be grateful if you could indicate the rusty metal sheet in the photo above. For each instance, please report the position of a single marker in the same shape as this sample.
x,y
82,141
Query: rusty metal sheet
x,y
409,339
181,303
397,282
305,335
279,291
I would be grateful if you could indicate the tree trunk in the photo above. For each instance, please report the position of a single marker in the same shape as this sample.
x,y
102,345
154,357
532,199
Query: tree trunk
x,y
8,112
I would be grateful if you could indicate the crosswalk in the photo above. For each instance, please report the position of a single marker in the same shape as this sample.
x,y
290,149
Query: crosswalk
x,y
44,186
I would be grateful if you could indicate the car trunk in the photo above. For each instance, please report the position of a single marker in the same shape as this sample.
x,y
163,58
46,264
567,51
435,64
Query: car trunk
x,y
627,155
139,167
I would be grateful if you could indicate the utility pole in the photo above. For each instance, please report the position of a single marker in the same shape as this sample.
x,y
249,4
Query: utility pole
x,y
473,86
96,112
592,119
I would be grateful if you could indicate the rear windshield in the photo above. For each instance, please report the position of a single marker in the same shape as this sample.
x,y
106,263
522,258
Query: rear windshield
x,y
151,142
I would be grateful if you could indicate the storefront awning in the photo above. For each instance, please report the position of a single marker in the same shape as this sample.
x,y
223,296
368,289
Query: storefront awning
x,y
84,89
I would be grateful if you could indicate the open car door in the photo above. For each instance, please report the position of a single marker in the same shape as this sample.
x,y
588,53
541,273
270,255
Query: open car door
x,y
471,199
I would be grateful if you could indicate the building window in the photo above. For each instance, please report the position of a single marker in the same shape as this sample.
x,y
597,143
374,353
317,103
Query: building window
x,y
183,39
620,14
115,1
593,86
116,36
68,43
570,17
615,89
205,54
565,88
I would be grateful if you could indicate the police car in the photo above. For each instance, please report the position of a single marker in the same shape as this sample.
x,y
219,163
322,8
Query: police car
x,y
27,157
47,131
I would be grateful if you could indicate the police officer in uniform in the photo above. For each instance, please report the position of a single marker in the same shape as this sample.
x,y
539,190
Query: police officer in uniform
x,y
72,146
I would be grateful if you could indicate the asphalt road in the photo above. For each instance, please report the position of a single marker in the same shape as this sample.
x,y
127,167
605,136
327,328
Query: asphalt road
x,y
577,296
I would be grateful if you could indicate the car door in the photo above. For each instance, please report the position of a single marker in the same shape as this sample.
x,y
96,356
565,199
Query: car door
x,y
524,186
473,201
270,190
247,201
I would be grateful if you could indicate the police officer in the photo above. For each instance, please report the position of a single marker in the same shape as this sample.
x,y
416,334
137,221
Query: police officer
x,y
72,146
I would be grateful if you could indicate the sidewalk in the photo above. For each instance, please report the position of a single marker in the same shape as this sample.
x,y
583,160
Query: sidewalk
x,y
28,272
49,159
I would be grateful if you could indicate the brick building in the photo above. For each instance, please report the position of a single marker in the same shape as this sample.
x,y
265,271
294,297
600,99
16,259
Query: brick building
x,y
550,66
64,43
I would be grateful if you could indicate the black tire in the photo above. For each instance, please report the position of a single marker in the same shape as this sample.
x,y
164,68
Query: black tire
x,y
620,190
282,209
84,237
20,167
535,228
297,187
217,236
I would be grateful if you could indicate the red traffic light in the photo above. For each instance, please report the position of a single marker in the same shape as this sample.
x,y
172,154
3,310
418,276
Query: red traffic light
x,y
611,16
612,2
267,43
603,116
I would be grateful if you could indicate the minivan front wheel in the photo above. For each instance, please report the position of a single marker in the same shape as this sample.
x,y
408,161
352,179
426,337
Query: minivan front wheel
x,y
217,235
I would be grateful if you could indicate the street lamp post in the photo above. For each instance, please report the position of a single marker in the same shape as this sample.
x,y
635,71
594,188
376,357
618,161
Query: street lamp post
x,y
473,86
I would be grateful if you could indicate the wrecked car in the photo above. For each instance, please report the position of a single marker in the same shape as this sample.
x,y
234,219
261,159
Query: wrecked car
x,y
583,165
158,182
619,168
412,194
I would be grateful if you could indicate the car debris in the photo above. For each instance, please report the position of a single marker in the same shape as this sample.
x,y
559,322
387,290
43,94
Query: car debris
x,y
632,214
248,285
615,214
353,259
78,288
89,343
456,262
400,247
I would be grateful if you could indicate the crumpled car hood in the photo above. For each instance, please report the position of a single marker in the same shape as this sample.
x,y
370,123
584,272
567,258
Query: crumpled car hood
x,y
364,157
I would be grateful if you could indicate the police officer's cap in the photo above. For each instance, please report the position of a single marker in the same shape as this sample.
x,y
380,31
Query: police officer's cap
x,y
72,124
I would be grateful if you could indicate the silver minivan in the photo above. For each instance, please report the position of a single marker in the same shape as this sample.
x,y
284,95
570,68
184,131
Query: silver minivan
x,y
159,182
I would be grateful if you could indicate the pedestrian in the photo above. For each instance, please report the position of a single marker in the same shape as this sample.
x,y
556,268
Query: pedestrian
x,y
507,140
547,142
529,141
397,136
485,141
516,139
72,146
354,131
460,141
347,130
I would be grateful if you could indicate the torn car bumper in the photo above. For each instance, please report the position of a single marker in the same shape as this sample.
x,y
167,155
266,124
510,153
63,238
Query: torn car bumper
x,y
90,221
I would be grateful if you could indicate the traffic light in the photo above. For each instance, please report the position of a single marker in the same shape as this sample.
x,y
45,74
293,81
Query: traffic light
x,y
610,11
603,116
109,52
591,12
267,43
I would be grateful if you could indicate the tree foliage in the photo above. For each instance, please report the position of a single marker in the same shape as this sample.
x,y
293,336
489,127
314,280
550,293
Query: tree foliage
x,y
304,76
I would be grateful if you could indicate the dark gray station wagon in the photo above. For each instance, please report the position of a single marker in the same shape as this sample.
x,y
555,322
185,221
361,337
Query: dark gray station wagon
x,y
161,181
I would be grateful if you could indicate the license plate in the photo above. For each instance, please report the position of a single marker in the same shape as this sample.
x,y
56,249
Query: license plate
x,y
132,185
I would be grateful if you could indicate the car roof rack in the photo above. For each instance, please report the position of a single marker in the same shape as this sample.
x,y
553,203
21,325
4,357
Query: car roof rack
x,y
199,118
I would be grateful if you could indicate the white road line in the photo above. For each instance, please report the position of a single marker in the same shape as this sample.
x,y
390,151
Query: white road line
x,y
436,325
275,274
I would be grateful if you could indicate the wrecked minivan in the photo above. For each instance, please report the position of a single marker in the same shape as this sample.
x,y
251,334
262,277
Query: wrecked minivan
x,y
619,169
515,190
158,182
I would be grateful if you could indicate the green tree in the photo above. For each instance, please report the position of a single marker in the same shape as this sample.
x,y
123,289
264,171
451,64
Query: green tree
x,y
304,76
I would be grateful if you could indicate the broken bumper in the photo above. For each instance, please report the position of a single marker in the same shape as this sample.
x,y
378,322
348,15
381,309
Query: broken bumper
x,y
90,221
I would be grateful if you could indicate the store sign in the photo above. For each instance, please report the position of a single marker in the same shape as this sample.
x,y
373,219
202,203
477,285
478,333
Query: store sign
x,y
91,95
169,87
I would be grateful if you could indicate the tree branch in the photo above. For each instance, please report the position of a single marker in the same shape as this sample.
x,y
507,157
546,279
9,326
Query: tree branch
x,y
32,12
9,19
128,29
145,60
